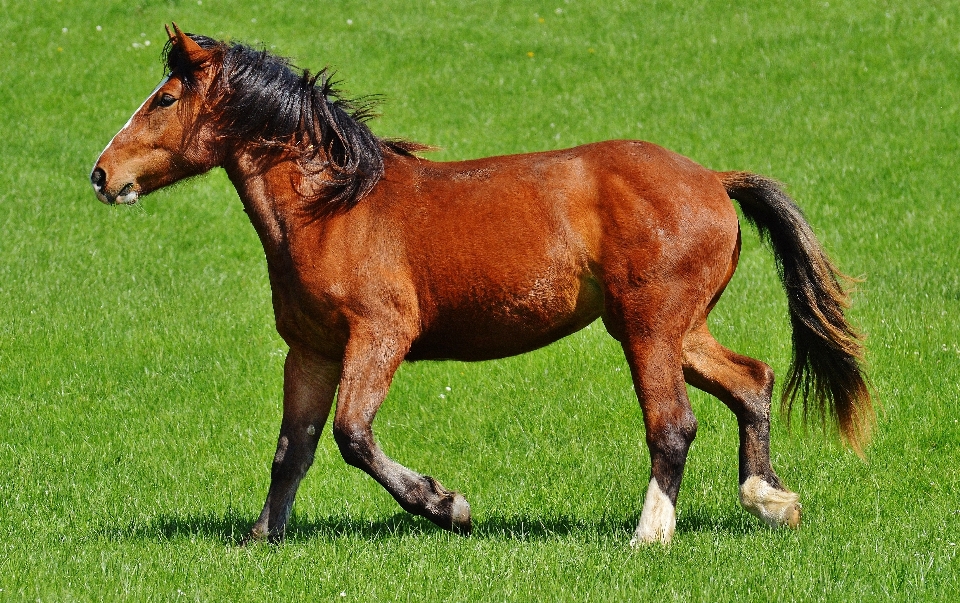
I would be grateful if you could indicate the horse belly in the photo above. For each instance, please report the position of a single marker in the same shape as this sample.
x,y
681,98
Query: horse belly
x,y
493,324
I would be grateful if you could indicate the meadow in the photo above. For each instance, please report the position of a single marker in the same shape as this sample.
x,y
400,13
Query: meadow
x,y
140,372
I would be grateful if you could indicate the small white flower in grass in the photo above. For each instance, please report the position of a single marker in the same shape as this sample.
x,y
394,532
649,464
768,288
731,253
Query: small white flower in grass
x,y
343,593
448,388
64,30
146,42
253,20
99,28
349,22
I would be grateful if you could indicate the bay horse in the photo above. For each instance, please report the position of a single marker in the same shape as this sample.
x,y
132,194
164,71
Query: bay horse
x,y
376,255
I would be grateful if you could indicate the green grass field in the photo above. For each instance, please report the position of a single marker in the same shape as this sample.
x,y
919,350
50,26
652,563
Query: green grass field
x,y
140,374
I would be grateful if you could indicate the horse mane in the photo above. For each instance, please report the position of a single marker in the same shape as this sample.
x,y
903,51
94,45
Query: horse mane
x,y
264,99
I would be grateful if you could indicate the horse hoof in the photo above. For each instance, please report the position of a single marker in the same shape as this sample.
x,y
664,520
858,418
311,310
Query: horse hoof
x,y
793,515
460,522
641,540
252,538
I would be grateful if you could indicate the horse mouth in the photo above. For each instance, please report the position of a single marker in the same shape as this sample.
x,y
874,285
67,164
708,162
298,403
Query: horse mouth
x,y
128,195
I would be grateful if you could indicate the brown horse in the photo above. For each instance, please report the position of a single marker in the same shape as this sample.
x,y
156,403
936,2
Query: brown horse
x,y
376,256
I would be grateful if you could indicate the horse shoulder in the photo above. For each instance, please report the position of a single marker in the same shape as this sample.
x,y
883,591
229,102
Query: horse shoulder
x,y
348,271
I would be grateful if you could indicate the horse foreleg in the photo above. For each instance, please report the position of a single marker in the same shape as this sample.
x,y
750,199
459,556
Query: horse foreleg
x,y
308,388
745,385
369,365
671,428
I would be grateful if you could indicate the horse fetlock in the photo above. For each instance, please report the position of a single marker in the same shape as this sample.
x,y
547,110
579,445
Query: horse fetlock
x,y
773,506
446,508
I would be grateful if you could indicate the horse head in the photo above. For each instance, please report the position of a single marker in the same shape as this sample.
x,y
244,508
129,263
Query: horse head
x,y
166,139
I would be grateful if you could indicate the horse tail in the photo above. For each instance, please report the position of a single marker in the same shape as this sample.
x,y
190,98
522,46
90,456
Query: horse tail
x,y
827,350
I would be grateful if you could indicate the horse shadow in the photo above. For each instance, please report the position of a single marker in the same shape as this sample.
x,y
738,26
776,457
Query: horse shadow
x,y
231,526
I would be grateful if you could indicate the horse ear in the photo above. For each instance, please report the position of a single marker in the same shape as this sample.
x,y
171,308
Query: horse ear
x,y
194,52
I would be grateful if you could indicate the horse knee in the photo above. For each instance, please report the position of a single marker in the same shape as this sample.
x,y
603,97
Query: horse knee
x,y
353,442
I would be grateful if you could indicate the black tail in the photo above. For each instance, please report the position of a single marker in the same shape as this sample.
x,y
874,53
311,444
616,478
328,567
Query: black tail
x,y
827,350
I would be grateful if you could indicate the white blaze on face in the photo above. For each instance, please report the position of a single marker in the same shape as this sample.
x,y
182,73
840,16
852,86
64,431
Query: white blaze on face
x,y
129,121
658,521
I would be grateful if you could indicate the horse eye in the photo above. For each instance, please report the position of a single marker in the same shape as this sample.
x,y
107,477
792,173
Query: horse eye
x,y
166,100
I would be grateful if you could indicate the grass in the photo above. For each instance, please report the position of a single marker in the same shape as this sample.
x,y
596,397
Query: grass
x,y
140,374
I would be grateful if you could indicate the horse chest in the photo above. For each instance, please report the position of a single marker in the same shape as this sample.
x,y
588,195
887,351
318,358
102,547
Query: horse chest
x,y
309,308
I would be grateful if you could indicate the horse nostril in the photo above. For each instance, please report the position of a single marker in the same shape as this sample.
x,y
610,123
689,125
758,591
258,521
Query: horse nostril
x,y
98,178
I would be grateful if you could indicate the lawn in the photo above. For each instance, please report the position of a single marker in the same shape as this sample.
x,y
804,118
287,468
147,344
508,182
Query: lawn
x,y
140,373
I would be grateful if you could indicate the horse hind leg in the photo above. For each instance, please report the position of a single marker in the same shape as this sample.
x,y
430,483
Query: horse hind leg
x,y
745,385
670,430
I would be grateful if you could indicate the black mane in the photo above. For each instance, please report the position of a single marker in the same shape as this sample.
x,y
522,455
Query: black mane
x,y
263,98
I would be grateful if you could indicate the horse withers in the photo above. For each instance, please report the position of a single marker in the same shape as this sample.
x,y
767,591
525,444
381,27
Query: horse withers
x,y
376,256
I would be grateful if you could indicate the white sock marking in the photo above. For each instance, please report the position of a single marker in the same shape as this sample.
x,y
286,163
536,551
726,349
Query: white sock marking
x,y
658,520
774,507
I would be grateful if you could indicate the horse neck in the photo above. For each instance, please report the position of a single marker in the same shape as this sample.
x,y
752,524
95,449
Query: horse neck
x,y
263,184
268,187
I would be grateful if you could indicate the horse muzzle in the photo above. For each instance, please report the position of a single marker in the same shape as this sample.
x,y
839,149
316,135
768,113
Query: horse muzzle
x,y
125,195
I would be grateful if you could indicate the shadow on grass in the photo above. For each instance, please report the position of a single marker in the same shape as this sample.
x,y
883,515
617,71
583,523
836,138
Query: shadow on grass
x,y
733,523
230,527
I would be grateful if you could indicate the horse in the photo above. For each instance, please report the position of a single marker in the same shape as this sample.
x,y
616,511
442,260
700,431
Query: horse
x,y
377,256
